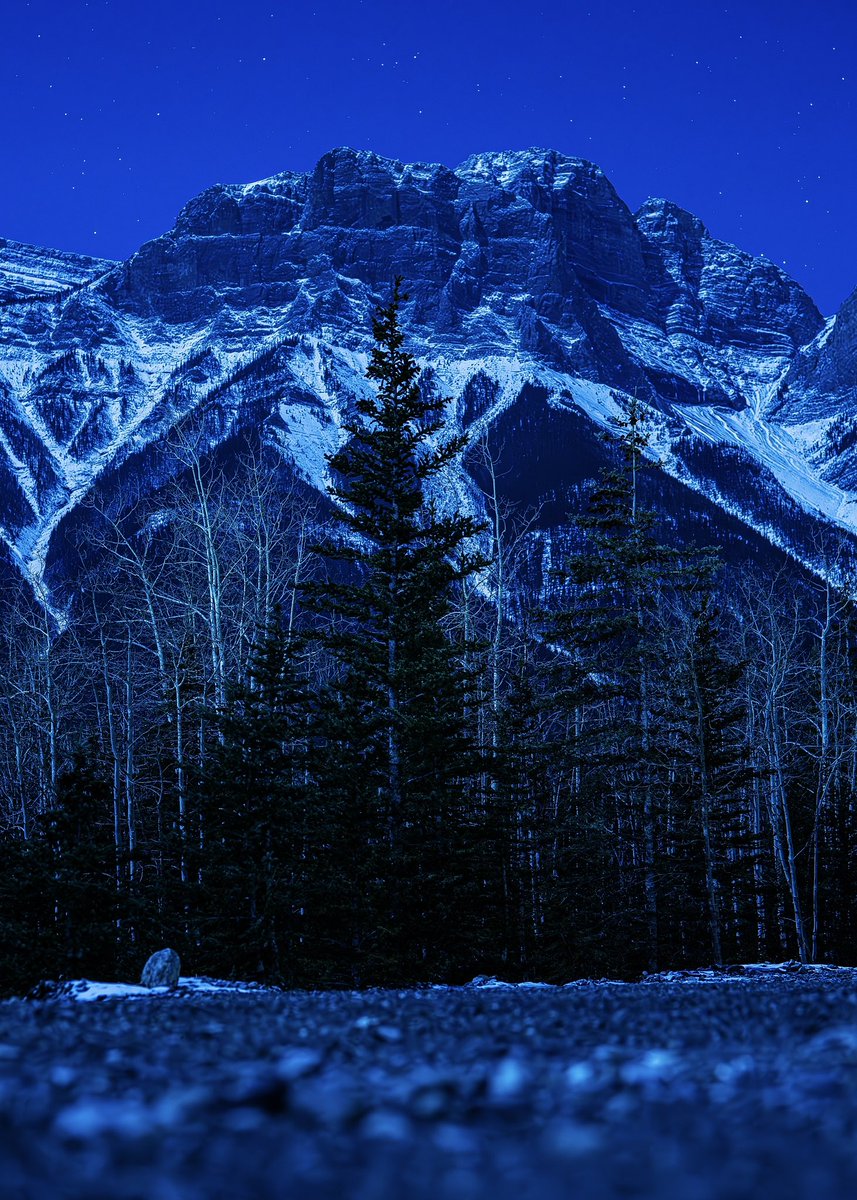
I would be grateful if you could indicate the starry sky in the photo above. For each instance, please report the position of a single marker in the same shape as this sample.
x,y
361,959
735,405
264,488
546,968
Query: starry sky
x,y
116,113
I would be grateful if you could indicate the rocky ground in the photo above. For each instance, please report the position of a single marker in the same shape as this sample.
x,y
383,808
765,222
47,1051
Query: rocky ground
x,y
678,1088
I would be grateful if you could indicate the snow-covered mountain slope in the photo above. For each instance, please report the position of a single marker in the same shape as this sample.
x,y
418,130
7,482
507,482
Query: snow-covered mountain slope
x,y
29,272
536,298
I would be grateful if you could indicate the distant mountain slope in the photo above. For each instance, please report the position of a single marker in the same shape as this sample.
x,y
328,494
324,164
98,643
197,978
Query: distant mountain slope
x,y
29,272
533,288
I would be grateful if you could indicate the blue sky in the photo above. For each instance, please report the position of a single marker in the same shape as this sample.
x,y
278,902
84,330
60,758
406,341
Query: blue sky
x,y
117,113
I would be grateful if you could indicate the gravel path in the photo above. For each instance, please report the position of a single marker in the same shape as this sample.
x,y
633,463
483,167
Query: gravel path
x,y
675,1090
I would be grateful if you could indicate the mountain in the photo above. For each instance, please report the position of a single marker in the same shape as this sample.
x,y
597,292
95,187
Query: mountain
x,y
537,301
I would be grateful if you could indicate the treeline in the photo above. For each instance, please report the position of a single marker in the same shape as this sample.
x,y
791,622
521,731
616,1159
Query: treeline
x,y
352,746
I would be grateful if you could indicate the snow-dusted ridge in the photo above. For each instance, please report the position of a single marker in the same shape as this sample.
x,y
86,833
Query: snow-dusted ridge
x,y
28,272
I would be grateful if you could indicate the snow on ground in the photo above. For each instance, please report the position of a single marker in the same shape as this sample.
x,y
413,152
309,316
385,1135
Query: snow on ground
x,y
193,986
490,982
755,973
188,986
746,973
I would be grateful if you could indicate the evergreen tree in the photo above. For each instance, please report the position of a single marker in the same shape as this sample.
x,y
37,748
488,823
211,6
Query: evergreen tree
x,y
619,576
706,755
520,823
255,818
397,751
29,945
84,870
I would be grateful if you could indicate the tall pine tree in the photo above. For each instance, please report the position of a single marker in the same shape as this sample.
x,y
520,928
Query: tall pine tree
x,y
84,870
252,906
707,759
619,576
396,757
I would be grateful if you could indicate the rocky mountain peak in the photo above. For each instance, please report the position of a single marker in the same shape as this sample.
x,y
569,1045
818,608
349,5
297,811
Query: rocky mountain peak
x,y
532,285
509,168
663,219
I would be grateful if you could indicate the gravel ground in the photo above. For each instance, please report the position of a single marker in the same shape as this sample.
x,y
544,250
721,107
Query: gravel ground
x,y
678,1088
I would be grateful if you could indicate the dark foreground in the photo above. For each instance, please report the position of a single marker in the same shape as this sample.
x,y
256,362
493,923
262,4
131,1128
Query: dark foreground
x,y
674,1091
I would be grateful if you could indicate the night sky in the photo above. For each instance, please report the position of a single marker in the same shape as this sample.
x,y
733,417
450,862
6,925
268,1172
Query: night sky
x,y
116,113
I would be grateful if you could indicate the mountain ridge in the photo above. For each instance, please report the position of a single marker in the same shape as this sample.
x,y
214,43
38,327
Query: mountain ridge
x,y
525,270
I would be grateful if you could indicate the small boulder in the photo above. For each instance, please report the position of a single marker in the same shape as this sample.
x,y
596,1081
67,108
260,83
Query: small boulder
x,y
162,970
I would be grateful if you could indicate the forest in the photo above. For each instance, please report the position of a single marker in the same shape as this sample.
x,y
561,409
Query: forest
x,y
347,742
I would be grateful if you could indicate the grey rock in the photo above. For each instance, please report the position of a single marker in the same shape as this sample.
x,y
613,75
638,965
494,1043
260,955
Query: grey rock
x,y
333,1100
297,1062
161,970
431,1101
387,1033
386,1125
508,1080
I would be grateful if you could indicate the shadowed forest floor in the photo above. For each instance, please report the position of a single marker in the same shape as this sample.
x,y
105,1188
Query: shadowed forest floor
x,y
677,1088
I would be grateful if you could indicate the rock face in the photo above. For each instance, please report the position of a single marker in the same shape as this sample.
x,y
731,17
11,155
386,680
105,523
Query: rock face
x,y
161,970
536,294
819,391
